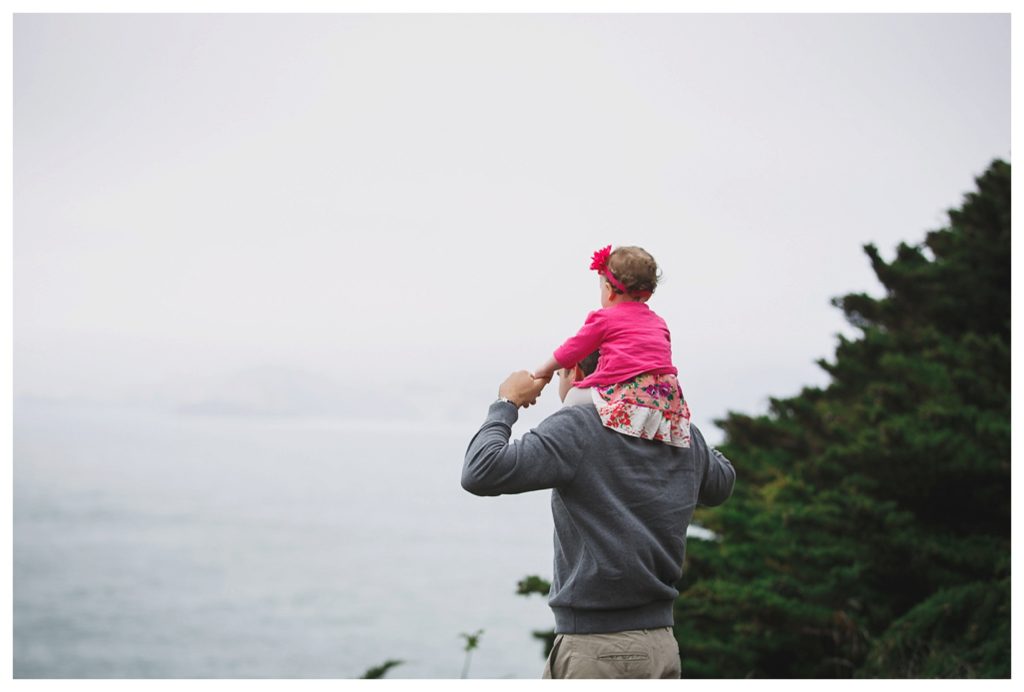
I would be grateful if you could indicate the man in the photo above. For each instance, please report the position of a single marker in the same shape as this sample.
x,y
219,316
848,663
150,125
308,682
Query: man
x,y
621,506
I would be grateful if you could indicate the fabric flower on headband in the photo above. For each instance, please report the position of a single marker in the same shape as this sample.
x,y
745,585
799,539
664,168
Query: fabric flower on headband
x,y
600,261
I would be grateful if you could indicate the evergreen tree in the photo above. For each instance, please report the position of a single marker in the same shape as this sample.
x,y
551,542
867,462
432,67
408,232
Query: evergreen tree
x,y
869,533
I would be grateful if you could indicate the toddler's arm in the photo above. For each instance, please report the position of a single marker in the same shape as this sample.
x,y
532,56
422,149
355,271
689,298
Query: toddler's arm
x,y
546,371
587,340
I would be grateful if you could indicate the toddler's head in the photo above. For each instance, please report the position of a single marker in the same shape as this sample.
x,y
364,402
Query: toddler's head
x,y
629,272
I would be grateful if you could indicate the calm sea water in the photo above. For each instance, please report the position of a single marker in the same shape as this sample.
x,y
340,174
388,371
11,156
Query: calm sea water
x,y
164,546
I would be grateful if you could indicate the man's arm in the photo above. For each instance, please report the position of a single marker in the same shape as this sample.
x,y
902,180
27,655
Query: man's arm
x,y
545,457
719,475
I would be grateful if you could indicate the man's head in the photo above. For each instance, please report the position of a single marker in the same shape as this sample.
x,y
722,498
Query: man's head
x,y
566,376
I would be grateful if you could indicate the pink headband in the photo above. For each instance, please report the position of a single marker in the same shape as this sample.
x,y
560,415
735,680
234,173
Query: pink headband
x,y
600,264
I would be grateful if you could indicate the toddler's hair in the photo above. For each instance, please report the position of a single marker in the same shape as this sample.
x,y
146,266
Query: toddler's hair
x,y
635,268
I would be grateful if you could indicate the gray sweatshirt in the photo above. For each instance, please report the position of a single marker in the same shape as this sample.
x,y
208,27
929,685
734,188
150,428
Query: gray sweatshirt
x,y
620,504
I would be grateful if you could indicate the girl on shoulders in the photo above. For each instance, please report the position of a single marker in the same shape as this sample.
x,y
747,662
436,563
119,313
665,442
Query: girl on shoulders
x,y
635,387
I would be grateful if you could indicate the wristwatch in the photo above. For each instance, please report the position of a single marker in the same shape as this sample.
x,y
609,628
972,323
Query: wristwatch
x,y
508,401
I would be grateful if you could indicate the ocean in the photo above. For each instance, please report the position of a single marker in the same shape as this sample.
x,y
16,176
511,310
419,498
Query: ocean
x,y
160,545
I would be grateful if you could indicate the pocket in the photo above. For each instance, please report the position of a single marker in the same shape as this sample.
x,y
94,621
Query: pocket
x,y
625,656
623,664
555,646
550,671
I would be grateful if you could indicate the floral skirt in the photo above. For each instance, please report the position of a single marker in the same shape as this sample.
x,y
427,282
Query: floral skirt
x,y
650,407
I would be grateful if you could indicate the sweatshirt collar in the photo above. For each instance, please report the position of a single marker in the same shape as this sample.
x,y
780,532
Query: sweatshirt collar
x,y
578,397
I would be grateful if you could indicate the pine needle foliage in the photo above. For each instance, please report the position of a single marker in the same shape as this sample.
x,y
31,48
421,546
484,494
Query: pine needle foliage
x,y
869,533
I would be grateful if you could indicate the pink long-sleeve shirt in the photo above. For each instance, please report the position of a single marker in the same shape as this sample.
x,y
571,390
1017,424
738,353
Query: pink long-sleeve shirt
x,y
632,339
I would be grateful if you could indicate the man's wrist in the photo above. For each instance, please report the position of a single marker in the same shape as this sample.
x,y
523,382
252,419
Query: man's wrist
x,y
507,400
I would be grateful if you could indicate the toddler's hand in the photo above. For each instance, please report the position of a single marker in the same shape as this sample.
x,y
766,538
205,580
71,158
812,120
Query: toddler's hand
x,y
542,373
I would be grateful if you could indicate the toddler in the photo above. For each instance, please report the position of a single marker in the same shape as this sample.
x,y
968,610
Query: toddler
x,y
634,387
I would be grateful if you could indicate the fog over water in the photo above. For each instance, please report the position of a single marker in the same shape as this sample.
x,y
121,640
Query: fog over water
x,y
153,547
270,270
227,210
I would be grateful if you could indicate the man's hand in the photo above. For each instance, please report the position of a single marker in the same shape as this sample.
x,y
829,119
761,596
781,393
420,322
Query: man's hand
x,y
522,389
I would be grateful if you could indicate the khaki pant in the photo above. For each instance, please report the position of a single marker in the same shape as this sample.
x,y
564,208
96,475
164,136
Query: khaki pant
x,y
630,654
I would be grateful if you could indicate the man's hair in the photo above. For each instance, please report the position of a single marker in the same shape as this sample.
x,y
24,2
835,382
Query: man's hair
x,y
635,268
589,364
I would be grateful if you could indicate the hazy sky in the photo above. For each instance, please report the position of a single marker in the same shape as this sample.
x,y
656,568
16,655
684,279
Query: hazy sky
x,y
274,213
